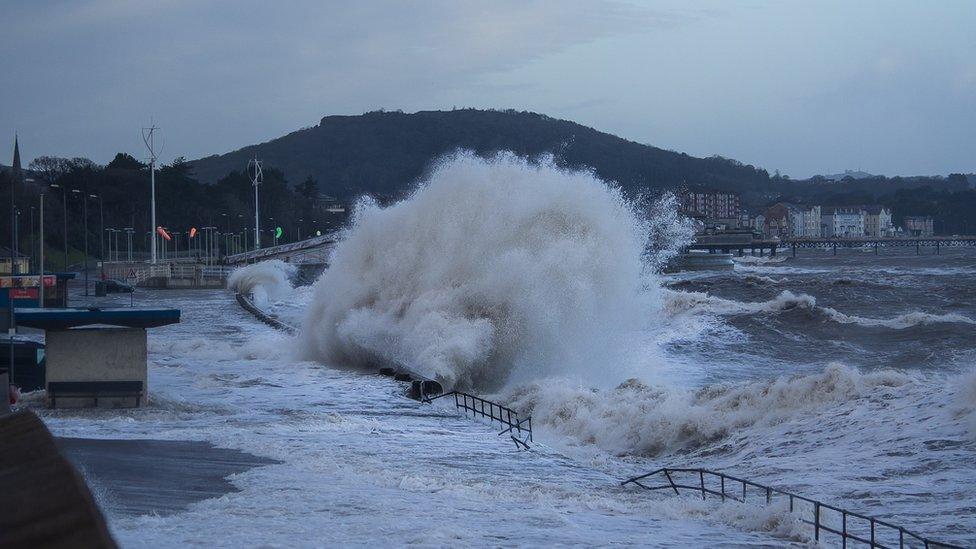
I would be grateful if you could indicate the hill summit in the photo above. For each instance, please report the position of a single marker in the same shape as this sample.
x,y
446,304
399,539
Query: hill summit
x,y
384,153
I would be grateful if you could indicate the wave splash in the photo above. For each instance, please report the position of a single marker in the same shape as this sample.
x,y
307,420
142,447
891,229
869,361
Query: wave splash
x,y
677,302
640,419
266,281
492,270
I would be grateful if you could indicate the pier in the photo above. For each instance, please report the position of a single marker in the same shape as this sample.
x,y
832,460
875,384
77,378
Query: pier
x,y
937,242
727,242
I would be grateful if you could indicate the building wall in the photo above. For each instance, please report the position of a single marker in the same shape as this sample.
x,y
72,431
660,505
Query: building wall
x,y
97,354
844,223
919,226
878,224
812,220
711,205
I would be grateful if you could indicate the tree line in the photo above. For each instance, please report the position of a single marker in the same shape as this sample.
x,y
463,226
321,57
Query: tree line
x,y
118,197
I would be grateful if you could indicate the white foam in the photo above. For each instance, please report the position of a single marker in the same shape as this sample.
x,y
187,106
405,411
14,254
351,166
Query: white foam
x,y
636,418
966,400
678,302
266,281
490,269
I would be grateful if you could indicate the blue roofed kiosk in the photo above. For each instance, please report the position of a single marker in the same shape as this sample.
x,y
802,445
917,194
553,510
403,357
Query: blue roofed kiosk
x,y
96,357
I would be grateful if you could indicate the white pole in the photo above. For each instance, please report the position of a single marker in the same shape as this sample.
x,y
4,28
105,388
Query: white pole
x,y
152,178
256,178
257,223
147,137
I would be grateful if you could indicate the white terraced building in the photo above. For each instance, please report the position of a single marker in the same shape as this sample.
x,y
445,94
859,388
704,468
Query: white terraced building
x,y
843,222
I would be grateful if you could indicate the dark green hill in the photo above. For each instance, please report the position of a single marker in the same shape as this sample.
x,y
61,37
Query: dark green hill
x,y
383,153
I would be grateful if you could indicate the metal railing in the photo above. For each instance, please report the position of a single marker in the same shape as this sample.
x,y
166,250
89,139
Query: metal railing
x,y
852,526
520,431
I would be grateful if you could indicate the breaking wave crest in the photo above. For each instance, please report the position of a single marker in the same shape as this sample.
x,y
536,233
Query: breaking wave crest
x,y
677,302
491,270
640,419
267,281
966,400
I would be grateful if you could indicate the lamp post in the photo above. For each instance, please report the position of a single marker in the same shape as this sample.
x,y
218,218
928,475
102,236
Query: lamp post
x,y
256,175
148,135
129,231
101,235
33,250
64,204
84,209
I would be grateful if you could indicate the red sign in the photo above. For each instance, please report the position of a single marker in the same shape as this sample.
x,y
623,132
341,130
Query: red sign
x,y
162,232
23,293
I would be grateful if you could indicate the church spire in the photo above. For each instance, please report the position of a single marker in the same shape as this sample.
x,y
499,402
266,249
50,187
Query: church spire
x,y
16,165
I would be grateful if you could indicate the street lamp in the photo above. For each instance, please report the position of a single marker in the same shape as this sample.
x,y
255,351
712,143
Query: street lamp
x,y
129,231
84,200
64,203
101,235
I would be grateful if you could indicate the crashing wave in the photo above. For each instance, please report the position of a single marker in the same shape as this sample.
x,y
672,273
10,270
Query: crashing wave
x,y
491,269
677,302
266,281
641,419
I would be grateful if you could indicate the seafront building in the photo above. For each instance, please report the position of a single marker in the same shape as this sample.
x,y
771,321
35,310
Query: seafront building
x,y
716,210
712,207
843,222
877,222
919,225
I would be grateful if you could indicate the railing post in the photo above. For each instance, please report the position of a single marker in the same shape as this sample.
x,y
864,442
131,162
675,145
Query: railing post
x,y
816,521
901,538
843,535
723,487
701,477
791,503
769,495
872,534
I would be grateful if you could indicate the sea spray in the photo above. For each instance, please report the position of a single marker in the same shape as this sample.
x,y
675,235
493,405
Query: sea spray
x,y
679,302
267,281
492,270
637,418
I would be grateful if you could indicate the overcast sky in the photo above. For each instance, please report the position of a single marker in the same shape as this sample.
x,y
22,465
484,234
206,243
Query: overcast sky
x,y
803,87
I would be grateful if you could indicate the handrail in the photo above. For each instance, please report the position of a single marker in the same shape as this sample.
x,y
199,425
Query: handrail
x,y
904,536
505,416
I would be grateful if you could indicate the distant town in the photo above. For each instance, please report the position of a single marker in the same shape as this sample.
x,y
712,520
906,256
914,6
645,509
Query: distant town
x,y
717,210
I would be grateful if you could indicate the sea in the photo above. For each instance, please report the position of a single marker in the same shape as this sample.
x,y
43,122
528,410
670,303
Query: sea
x,y
847,378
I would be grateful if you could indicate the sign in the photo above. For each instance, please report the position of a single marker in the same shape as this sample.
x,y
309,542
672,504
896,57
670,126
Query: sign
x,y
23,293
26,281
132,274
278,232
193,232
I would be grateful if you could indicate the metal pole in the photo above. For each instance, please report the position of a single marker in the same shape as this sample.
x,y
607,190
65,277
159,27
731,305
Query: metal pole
x,y
148,139
33,250
84,209
40,226
101,235
64,202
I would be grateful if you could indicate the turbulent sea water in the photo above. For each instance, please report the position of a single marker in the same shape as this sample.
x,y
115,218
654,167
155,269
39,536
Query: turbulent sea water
x,y
847,378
